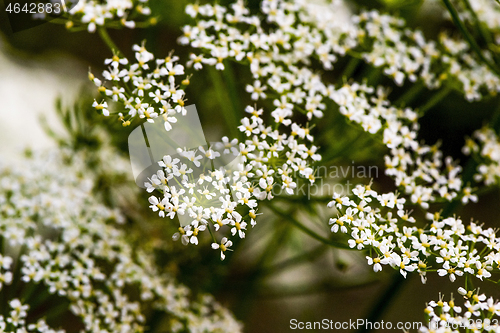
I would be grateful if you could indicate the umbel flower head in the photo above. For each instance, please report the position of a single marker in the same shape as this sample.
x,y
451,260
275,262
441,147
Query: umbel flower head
x,y
221,199
298,30
157,92
478,313
379,222
69,251
484,146
280,55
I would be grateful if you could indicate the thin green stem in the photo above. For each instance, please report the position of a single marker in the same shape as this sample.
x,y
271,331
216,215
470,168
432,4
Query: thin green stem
x,y
298,198
434,100
56,311
373,76
307,289
211,233
327,159
384,300
410,94
280,236
480,28
470,39
306,230
231,85
103,33
351,67
232,121
495,120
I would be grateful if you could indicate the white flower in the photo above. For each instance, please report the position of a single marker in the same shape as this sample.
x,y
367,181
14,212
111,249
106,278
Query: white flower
x,y
223,246
103,106
377,267
256,90
168,121
402,263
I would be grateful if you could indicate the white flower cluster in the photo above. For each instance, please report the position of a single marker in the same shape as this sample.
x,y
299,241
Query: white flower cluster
x,y
278,75
420,169
478,314
211,198
304,31
5,270
487,12
226,197
279,62
147,88
109,13
268,158
405,53
72,248
378,222
276,62
485,147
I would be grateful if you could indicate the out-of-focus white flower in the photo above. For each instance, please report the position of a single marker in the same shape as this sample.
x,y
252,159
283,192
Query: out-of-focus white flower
x,y
90,262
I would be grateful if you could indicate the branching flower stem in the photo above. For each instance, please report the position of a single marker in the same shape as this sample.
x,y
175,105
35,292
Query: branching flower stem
x,y
308,231
225,102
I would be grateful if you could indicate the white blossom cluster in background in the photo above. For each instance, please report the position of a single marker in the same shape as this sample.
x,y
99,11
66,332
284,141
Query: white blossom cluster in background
x,y
110,13
268,159
16,319
302,30
68,243
477,314
485,146
405,53
487,11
